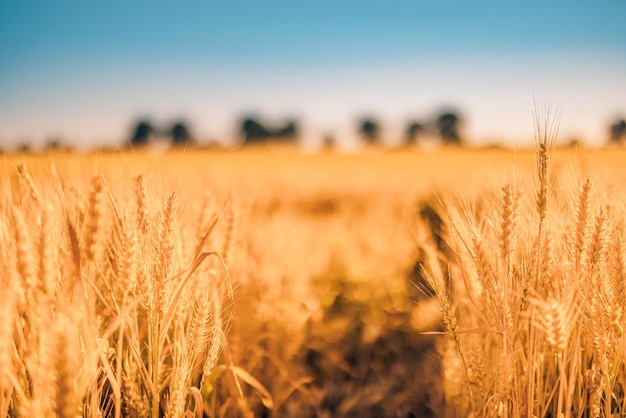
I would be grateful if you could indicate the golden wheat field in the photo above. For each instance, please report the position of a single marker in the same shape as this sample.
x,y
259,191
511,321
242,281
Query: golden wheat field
x,y
255,284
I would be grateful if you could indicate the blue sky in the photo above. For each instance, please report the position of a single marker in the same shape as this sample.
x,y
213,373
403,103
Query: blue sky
x,y
83,71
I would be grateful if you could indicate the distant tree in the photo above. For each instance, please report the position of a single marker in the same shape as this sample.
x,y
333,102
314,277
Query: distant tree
x,y
328,142
369,130
618,131
53,144
412,131
24,148
180,133
289,131
574,143
254,131
448,123
142,132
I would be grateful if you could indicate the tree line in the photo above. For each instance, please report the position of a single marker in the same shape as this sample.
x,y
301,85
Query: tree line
x,y
144,130
447,126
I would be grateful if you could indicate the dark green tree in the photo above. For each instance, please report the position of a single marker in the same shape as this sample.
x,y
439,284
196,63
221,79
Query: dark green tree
x,y
369,129
253,131
618,131
289,131
448,124
180,133
142,132
412,131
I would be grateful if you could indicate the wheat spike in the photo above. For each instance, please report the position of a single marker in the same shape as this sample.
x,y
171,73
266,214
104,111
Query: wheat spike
x,y
47,256
217,338
126,259
27,181
166,251
593,382
486,273
180,374
556,318
230,234
168,226
509,221
546,131
202,323
7,318
542,169
618,271
94,233
65,362
597,250
143,215
545,254
580,233
26,265
134,401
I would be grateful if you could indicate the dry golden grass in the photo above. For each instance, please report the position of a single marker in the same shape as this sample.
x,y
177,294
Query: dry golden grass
x,y
256,284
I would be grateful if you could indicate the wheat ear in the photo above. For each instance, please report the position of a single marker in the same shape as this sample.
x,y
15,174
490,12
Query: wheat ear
x,y
26,265
27,180
509,222
580,233
94,233
142,214
65,362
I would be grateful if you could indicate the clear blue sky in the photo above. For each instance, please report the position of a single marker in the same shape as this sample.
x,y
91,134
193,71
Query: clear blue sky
x,y
83,71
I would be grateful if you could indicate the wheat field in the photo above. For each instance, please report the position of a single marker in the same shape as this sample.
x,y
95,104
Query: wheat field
x,y
399,284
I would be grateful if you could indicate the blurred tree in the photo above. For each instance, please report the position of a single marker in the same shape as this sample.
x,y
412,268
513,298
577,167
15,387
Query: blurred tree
x,y
412,131
574,143
142,132
253,131
180,134
328,142
24,147
448,126
369,130
53,144
289,131
618,131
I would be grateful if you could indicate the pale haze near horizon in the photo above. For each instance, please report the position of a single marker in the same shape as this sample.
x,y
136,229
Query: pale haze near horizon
x,y
83,75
